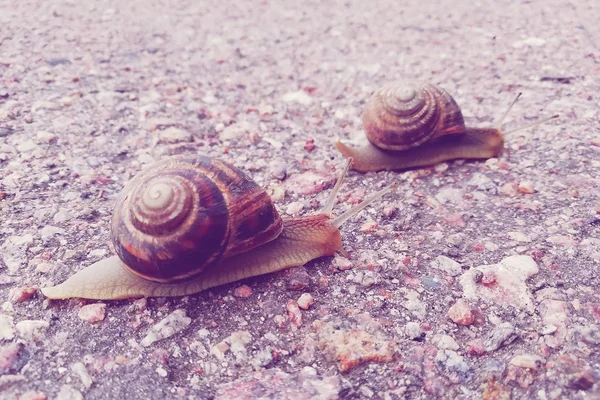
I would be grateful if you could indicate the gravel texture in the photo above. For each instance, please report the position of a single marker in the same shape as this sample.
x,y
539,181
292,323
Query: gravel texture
x,y
474,280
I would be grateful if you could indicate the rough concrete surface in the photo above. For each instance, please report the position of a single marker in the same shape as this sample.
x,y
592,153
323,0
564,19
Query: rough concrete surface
x,y
474,280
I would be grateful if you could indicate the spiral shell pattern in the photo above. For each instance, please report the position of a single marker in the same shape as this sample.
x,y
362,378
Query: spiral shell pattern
x,y
183,214
400,116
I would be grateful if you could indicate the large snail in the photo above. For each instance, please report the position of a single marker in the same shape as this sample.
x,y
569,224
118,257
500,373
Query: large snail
x,y
189,223
419,125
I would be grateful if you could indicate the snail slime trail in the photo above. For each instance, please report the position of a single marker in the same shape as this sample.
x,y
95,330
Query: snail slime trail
x,y
410,126
178,268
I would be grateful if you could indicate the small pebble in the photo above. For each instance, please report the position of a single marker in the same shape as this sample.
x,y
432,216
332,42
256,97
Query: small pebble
x,y
12,357
294,313
174,135
68,392
97,253
369,226
531,41
32,329
413,330
61,216
278,169
48,231
265,109
366,391
219,350
366,278
509,189
279,321
300,97
46,137
353,347
548,330
445,342
7,330
460,312
389,211
33,395
170,325
242,291
305,301
81,372
92,312
237,130
297,278
341,263
526,187
529,361
504,283
501,335
274,383
447,265
238,341
475,347
519,237
294,208
22,294
26,145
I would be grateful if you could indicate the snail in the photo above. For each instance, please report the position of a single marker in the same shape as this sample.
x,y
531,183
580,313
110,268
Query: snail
x,y
190,223
417,125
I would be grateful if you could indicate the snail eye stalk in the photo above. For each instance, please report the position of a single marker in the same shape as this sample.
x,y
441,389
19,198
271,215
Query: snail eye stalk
x,y
498,124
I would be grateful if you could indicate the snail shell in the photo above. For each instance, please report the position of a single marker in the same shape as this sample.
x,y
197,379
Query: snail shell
x,y
183,214
400,116
416,125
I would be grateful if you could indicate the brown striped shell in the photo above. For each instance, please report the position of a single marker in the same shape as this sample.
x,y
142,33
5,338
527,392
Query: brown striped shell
x,y
400,116
185,213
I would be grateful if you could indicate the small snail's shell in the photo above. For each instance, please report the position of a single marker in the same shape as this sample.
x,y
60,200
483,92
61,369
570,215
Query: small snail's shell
x,y
183,214
400,116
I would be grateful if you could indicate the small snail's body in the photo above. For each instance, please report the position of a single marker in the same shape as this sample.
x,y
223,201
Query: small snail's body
x,y
166,262
415,126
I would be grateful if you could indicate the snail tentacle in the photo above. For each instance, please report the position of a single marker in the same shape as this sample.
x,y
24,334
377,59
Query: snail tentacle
x,y
340,219
328,207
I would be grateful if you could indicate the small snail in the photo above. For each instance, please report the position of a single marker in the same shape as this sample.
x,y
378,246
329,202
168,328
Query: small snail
x,y
419,125
186,224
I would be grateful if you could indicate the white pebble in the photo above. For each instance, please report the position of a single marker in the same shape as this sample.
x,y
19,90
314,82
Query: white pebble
x,y
294,208
48,231
7,330
530,361
32,329
26,145
170,325
305,301
92,312
297,97
82,373
447,265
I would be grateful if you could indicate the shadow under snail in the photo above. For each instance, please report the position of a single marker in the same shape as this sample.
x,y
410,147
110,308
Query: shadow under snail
x,y
419,125
190,223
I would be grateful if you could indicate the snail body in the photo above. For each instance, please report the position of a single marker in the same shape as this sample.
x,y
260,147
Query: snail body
x,y
410,126
187,224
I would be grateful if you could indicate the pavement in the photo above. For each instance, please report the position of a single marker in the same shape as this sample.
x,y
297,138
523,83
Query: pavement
x,y
475,279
